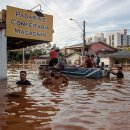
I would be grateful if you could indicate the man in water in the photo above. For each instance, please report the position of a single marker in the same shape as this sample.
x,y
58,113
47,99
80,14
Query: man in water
x,y
119,73
58,78
23,79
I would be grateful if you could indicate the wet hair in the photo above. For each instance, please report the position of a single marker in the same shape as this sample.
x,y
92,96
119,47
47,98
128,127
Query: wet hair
x,y
88,56
92,56
23,72
56,70
119,68
57,50
52,74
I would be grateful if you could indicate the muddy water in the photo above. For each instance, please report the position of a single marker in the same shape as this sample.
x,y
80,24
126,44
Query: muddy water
x,y
83,104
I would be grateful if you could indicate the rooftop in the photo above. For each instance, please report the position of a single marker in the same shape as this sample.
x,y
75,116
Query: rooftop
x,y
88,44
120,55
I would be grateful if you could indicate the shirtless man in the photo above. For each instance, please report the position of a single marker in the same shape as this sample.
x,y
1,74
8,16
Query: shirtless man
x,y
58,78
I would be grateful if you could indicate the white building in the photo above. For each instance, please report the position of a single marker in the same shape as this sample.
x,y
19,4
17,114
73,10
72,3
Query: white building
x,y
118,38
97,37
42,60
128,39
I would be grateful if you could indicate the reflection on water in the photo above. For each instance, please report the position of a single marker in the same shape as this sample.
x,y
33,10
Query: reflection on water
x,y
83,104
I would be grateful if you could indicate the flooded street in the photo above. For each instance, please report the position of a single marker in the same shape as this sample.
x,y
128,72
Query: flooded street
x,y
42,39
83,104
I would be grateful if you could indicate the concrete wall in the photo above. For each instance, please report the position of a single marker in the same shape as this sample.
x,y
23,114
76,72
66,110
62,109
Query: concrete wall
x,y
3,55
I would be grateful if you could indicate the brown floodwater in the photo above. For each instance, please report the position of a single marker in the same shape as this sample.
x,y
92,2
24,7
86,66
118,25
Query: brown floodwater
x,y
83,104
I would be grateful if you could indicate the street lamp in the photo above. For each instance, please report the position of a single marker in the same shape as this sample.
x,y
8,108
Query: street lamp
x,y
83,29
38,12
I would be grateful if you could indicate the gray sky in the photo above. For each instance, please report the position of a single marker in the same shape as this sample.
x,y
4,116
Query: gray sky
x,y
100,16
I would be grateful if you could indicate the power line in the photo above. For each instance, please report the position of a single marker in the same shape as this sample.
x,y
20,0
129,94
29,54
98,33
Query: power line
x,y
56,14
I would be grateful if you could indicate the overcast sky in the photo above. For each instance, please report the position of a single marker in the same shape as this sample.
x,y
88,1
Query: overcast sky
x,y
100,16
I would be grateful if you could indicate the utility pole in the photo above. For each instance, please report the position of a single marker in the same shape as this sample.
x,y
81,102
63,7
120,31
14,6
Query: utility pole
x,y
83,30
84,40
23,59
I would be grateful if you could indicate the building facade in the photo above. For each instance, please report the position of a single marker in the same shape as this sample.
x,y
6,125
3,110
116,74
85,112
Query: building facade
x,y
97,37
120,58
128,39
118,38
100,47
95,47
42,60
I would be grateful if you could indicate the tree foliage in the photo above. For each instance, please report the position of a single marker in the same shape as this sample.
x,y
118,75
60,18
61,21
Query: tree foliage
x,y
37,50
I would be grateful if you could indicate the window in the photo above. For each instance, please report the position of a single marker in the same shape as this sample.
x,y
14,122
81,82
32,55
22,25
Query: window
x,y
112,43
121,39
127,40
78,50
112,37
117,62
